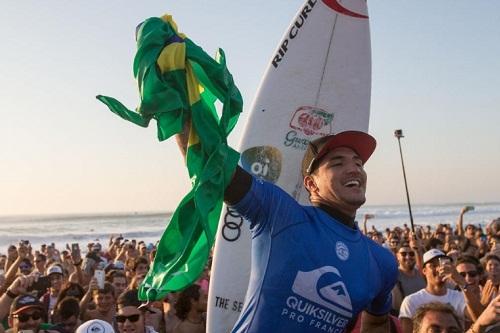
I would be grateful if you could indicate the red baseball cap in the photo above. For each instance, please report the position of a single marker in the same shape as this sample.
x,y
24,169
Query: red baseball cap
x,y
362,143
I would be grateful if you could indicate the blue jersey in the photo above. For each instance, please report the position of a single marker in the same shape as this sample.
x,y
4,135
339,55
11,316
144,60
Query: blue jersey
x,y
310,273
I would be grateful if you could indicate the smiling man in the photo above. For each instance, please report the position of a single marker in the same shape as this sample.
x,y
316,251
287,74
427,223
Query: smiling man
x,y
312,268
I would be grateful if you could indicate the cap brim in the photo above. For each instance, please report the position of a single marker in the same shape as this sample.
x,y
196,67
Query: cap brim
x,y
21,309
362,143
439,256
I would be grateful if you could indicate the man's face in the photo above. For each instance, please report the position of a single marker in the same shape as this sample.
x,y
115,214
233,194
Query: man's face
x,y
69,324
406,258
434,321
469,272
493,269
25,268
29,319
104,302
141,269
56,281
432,276
120,284
40,264
130,320
341,180
470,231
394,242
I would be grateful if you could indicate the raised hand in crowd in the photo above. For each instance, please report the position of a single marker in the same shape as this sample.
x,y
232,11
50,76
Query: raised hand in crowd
x,y
489,317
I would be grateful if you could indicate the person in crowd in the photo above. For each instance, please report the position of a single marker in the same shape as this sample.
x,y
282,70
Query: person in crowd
x,y
40,263
490,289
25,267
190,306
104,300
130,317
437,268
436,317
141,266
56,278
26,314
118,280
410,279
470,229
66,314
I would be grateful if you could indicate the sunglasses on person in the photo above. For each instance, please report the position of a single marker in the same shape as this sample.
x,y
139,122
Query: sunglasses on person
x,y
24,317
132,318
472,274
404,254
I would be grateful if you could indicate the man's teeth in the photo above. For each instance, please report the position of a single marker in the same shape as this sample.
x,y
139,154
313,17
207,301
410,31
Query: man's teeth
x,y
353,183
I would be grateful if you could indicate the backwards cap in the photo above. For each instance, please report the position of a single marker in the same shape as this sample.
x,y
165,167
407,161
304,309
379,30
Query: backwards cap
x,y
362,143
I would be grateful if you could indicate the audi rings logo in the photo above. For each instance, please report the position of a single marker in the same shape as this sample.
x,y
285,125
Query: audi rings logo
x,y
231,230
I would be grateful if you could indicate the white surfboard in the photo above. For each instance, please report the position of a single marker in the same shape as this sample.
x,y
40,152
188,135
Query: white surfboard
x,y
318,82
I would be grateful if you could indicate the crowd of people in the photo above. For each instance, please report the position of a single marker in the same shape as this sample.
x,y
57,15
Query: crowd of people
x,y
448,276
96,290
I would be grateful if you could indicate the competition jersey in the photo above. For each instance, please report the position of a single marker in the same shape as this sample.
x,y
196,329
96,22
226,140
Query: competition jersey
x,y
310,273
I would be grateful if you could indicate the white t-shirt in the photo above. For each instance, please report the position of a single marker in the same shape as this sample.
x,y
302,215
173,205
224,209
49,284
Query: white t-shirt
x,y
412,302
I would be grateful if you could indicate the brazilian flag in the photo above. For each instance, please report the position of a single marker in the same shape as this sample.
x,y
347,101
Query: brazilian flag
x,y
178,85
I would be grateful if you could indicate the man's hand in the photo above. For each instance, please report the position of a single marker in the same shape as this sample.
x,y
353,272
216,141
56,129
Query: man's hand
x,y
93,285
488,291
22,283
490,316
465,210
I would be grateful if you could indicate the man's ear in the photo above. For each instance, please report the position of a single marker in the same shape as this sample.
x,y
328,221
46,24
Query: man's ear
x,y
310,184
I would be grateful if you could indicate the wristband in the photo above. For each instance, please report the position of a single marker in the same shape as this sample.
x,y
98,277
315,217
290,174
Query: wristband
x,y
11,294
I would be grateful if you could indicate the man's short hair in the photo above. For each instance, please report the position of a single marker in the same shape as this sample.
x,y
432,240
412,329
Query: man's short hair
x,y
69,306
492,257
114,274
183,304
466,259
140,260
433,243
435,307
128,298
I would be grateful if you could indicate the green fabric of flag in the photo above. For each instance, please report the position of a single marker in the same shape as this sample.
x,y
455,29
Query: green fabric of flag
x,y
178,81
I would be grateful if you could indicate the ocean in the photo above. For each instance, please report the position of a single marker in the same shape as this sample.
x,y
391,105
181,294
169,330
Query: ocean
x,y
63,229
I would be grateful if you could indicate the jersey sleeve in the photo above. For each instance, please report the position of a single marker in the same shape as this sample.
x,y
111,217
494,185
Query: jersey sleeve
x,y
267,206
382,303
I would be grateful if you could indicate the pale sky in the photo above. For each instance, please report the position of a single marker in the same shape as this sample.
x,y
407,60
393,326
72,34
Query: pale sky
x,y
436,75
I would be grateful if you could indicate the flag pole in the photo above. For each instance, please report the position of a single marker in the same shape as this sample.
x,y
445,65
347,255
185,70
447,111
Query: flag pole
x,y
399,134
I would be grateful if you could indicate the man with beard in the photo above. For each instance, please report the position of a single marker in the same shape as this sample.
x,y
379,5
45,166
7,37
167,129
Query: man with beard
x,y
409,279
437,269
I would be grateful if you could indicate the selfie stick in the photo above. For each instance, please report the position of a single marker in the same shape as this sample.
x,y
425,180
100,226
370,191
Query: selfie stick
x,y
399,134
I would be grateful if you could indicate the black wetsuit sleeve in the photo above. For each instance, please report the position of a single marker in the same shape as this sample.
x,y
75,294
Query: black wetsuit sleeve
x,y
238,187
